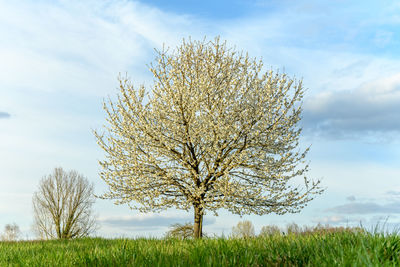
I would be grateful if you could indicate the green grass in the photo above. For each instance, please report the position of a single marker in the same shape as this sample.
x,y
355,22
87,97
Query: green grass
x,y
317,249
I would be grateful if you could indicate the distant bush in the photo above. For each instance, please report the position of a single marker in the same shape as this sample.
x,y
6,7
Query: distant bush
x,y
270,230
243,229
327,229
320,229
11,232
181,231
293,228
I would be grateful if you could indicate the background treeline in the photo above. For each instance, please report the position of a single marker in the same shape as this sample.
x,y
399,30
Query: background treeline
x,y
245,229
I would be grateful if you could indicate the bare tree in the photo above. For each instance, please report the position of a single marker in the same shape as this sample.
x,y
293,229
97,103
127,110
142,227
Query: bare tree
x,y
244,229
11,232
63,206
216,132
181,231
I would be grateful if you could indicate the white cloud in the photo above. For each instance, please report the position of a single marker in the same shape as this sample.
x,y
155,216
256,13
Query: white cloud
x,y
371,108
366,208
80,47
332,220
4,115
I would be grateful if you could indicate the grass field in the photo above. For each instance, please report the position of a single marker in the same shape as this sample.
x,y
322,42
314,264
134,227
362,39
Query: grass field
x,y
316,249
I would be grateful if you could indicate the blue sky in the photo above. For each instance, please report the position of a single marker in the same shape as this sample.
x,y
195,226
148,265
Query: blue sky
x,y
60,59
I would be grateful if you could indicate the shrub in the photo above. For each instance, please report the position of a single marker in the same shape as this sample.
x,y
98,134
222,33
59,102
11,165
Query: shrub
x,y
244,229
181,231
11,232
270,230
320,229
293,228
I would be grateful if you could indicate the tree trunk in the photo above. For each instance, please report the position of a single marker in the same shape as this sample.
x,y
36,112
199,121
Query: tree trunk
x,y
198,222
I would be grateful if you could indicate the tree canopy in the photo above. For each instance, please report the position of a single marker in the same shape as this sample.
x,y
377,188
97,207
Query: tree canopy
x,y
214,132
62,206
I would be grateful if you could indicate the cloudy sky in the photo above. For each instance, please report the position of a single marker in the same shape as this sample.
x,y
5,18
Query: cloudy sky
x,y
60,59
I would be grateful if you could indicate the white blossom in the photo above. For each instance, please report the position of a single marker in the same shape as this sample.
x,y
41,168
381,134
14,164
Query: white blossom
x,y
215,132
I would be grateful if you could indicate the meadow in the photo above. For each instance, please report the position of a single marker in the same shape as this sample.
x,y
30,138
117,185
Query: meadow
x,y
341,248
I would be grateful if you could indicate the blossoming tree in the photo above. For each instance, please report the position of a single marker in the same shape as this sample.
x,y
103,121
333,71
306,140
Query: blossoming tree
x,y
216,132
